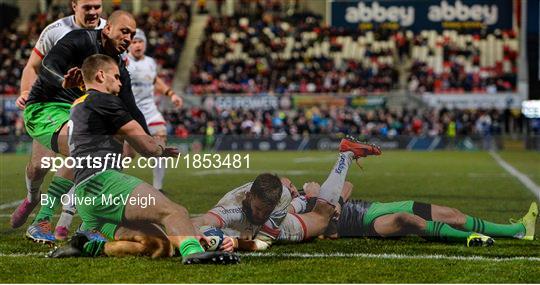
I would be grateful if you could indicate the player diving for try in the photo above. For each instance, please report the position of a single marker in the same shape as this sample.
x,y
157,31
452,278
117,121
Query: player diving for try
x,y
86,16
144,81
310,217
238,211
99,123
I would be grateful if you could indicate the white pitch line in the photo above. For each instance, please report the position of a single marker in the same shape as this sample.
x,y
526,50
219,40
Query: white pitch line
x,y
10,205
23,254
391,256
351,255
524,179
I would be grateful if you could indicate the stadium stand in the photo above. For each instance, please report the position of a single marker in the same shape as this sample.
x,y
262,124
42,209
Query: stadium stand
x,y
452,62
290,54
315,120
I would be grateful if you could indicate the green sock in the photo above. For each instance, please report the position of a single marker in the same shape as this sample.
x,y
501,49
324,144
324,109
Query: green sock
x,y
58,187
190,246
445,232
493,230
93,248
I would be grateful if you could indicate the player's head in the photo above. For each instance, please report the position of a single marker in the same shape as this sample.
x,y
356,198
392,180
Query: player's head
x,y
101,72
87,12
138,45
262,198
119,31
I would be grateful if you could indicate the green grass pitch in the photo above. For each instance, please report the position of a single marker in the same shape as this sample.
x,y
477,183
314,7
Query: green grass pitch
x,y
470,181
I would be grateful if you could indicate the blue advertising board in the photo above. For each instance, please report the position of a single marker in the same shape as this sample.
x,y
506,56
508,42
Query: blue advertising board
x,y
418,15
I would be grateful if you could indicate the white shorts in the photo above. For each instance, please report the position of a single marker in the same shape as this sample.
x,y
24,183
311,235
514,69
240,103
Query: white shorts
x,y
292,228
156,123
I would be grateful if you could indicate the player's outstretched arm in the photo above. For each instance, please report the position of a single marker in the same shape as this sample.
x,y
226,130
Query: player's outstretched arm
x,y
207,219
142,142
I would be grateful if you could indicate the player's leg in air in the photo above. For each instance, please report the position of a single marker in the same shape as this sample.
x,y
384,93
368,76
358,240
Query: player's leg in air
x,y
112,220
315,222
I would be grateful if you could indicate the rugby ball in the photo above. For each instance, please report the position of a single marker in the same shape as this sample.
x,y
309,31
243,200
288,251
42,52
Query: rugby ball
x,y
215,237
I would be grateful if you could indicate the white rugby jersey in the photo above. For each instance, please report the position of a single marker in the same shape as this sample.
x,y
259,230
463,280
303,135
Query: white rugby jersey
x,y
143,73
234,222
57,30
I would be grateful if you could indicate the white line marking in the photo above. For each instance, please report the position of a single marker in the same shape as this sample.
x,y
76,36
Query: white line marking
x,y
391,256
23,254
535,189
351,255
10,205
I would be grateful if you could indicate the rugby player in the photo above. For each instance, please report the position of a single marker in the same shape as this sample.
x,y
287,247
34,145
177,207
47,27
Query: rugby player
x,y
99,123
86,16
47,108
243,214
359,218
144,81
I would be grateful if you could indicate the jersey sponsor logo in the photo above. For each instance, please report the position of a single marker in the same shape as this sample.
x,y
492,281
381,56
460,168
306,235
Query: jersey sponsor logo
x,y
52,26
231,211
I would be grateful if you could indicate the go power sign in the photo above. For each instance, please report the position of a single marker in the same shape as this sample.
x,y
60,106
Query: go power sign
x,y
422,14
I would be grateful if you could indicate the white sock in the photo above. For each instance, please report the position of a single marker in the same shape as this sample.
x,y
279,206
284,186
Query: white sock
x,y
332,187
68,211
65,218
159,174
33,188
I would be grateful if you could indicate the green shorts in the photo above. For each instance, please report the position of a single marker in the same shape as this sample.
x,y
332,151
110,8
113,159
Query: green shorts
x,y
378,209
43,120
103,208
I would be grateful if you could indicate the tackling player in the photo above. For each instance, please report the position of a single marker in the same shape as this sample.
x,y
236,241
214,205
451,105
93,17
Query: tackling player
x,y
144,81
359,218
47,108
86,16
99,123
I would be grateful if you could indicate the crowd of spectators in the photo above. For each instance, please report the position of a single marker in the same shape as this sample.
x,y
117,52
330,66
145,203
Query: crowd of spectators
x,y
335,120
166,31
276,53
264,50
453,63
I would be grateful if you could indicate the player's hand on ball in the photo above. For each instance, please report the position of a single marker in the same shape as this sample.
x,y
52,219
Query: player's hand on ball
x,y
229,244
73,78
177,101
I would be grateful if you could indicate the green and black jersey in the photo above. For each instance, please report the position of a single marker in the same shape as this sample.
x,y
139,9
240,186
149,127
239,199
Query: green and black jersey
x,y
69,52
94,120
